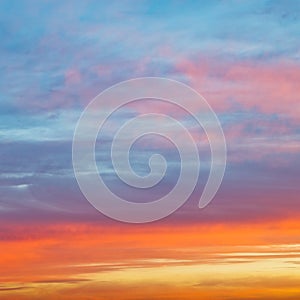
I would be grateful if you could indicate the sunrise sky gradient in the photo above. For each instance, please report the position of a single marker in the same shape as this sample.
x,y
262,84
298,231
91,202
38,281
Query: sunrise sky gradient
x,y
243,57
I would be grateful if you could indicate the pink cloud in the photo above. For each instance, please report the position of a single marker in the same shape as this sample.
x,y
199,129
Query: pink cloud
x,y
270,88
72,76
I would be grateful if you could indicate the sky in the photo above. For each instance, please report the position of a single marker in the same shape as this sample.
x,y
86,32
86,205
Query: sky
x,y
243,57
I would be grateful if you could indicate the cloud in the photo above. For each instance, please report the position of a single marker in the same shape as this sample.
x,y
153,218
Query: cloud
x,y
8,289
265,87
62,281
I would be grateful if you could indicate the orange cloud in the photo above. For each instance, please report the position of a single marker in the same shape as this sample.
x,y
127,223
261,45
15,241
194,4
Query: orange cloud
x,y
128,262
